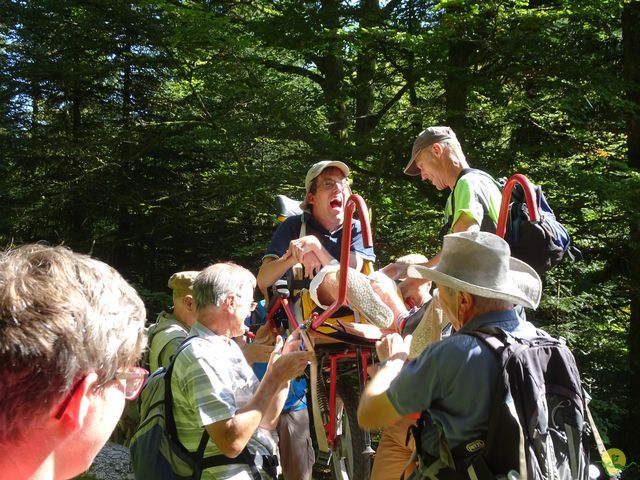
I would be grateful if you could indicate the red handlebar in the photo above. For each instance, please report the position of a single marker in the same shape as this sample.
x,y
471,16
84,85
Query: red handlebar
x,y
530,197
345,253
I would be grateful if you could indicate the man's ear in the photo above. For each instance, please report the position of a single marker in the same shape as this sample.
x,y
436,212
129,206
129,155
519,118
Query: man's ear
x,y
188,302
75,412
230,303
310,199
437,149
466,301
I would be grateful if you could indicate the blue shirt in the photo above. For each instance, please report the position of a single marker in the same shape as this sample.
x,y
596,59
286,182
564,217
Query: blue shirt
x,y
453,381
331,241
297,398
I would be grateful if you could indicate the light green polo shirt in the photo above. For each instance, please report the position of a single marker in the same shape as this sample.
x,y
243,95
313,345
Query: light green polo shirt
x,y
477,195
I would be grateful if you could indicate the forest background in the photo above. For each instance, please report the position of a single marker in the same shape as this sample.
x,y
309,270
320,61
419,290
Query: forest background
x,y
155,135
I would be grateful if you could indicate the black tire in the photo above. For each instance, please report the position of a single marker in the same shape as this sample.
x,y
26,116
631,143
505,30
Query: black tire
x,y
349,460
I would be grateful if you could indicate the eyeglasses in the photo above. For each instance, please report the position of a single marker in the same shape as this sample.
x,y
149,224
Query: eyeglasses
x,y
134,378
252,305
329,183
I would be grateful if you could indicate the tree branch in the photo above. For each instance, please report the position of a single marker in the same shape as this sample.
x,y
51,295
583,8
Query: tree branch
x,y
390,7
387,106
303,72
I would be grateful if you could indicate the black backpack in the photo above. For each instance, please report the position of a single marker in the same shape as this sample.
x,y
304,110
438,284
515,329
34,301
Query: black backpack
x,y
538,427
542,244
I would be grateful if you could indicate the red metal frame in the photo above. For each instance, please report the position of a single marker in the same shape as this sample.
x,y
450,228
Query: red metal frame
x,y
354,201
284,303
330,428
317,320
345,254
530,197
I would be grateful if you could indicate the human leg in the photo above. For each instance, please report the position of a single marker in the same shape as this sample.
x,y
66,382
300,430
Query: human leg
x,y
392,455
296,450
360,293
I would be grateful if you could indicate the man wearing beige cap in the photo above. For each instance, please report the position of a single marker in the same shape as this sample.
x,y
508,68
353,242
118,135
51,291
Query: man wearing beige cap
x,y
313,238
474,202
170,329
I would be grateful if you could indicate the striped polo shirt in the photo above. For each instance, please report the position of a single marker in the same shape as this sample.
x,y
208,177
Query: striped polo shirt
x,y
211,380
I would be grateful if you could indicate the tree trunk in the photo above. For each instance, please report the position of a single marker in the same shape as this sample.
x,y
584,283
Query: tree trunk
x,y
332,67
36,98
631,66
366,69
126,89
456,85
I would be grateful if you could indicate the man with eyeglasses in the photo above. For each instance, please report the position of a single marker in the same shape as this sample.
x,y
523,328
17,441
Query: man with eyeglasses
x,y
215,388
72,331
313,238
474,201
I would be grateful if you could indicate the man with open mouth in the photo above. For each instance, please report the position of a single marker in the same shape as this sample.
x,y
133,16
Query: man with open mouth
x,y
312,239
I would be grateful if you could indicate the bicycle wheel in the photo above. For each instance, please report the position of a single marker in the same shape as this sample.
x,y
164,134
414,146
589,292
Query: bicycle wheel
x,y
349,461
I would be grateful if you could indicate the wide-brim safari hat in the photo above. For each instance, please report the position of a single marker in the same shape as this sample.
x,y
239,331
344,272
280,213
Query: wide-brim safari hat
x,y
480,263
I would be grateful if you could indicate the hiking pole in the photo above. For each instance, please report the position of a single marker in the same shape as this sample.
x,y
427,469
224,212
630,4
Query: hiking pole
x,y
609,468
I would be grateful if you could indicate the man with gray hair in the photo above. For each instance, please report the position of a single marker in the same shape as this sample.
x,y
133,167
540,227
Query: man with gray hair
x,y
72,331
474,201
453,380
215,388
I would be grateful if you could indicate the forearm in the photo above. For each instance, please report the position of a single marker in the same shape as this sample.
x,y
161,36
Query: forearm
x,y
323,255
272,270
276,403
375,409
433,261
233,434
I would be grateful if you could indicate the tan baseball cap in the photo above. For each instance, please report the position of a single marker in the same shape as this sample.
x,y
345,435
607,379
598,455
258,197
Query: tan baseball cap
x,y
427,137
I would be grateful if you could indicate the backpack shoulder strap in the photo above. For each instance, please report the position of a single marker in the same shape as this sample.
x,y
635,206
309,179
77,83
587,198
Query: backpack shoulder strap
x,y
495,338
269,462
168,395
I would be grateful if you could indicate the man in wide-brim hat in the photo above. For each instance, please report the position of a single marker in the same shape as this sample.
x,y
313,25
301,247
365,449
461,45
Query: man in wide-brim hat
x,y
453,380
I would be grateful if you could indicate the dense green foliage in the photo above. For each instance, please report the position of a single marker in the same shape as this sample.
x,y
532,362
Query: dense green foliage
x,y
156,134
